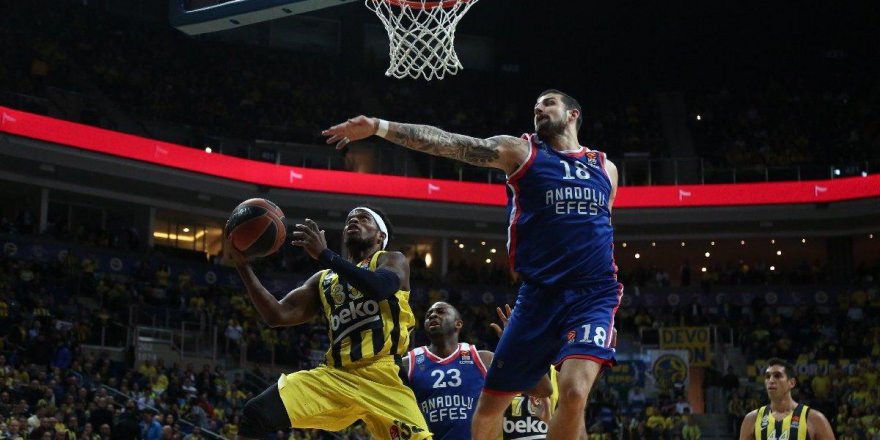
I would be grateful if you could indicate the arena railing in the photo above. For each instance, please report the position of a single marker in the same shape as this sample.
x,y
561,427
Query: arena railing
x,y
120,398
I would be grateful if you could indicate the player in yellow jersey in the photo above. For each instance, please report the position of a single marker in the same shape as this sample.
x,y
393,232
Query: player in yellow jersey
x,y
365,299
783,418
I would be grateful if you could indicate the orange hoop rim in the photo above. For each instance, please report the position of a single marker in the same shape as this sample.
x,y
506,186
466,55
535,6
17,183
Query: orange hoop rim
x,y
445,4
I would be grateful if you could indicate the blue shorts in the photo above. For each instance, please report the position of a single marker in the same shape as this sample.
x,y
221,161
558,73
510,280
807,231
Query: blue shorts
x,y
550,325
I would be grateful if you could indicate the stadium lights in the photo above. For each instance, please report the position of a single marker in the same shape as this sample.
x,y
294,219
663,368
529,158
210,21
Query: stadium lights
x,y
712,243
837,171
864,174
482,243
185,229
624,244
208,150
461,245
704,269
682,244
638,256
493,250
178,237
488,260
653,244
778,252
708,254
699,117
772,241
803,240
428,259
772,268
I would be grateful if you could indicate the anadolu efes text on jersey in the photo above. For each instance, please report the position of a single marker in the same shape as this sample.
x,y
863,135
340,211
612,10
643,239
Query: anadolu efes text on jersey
x,y
559,221
447,389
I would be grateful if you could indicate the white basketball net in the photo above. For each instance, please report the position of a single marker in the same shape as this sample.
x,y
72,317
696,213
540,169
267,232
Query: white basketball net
x,y
421,35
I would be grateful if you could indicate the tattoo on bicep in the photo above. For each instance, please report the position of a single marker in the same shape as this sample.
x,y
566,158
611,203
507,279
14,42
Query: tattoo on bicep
x,y
437,142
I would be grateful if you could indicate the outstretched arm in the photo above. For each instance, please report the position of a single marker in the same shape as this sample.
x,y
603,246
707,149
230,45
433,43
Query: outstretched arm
x,y
299,306
506,153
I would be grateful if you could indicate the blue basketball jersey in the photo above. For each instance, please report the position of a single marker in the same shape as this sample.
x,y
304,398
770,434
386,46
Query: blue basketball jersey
x,y
559,222
447,389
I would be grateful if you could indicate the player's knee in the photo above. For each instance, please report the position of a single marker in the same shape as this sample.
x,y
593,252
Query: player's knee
x,y
260,417
255,423
575,397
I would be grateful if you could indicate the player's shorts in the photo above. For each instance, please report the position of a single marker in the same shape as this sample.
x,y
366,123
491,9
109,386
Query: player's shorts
x,y
332,399
551,325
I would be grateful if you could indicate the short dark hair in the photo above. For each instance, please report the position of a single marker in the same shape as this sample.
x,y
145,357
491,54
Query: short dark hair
x,y
384,219
786,366
569,102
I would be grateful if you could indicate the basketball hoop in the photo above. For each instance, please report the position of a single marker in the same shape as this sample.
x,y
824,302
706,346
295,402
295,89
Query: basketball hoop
x,y
421,35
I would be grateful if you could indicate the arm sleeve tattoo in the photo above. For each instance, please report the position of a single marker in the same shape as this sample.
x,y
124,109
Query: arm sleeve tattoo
x,y
434,141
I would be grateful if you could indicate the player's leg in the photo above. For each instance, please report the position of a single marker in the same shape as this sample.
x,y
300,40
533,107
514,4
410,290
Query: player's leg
x,y
263,414
576,379
588,348
390,407
522,356
318,398
489,414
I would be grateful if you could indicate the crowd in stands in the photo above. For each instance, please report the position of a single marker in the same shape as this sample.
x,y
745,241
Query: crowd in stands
x,y
157,73
50,309
789,121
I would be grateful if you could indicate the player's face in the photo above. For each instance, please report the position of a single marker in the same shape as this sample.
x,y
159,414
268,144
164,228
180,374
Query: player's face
x,y
551,116
441,319
361,230
777,382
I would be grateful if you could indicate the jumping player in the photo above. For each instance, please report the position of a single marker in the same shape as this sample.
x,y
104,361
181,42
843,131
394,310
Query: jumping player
x,y
365,300
783,417
560,242
447,375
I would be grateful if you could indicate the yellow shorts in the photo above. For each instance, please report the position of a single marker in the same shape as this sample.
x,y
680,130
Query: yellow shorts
x,y
332,399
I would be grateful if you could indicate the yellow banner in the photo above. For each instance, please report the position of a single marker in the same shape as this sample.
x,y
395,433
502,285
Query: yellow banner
x,y
693,339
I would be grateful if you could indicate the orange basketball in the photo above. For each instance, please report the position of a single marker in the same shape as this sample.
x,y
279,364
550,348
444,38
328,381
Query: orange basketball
x,y
256,228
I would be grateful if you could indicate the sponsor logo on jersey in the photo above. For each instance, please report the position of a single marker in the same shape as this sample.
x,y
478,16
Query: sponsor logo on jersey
x,y
420,359
354,312
571,336
526,425
403,431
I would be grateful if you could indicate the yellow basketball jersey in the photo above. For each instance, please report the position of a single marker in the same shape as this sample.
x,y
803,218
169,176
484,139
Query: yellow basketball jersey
x,y
792,427
361,328
520,420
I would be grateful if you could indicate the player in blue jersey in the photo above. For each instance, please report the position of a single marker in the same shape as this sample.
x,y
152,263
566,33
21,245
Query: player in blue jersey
x,y
560,242
447,375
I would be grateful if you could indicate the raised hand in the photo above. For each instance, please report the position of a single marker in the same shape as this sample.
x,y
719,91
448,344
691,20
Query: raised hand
x,y
354,129
504,316
541,405
238,257
309,237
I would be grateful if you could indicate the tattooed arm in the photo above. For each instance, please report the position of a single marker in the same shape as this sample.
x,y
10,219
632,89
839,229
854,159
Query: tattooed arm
x,y
506,153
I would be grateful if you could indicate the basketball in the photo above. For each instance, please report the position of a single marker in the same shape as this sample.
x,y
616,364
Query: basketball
x,y
256,228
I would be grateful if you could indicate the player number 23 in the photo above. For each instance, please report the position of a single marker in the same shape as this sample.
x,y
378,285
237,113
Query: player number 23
x,y
598,338
442,382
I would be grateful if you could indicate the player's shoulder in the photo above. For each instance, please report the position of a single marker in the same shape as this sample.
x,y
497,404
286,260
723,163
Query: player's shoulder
x,y
814,415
